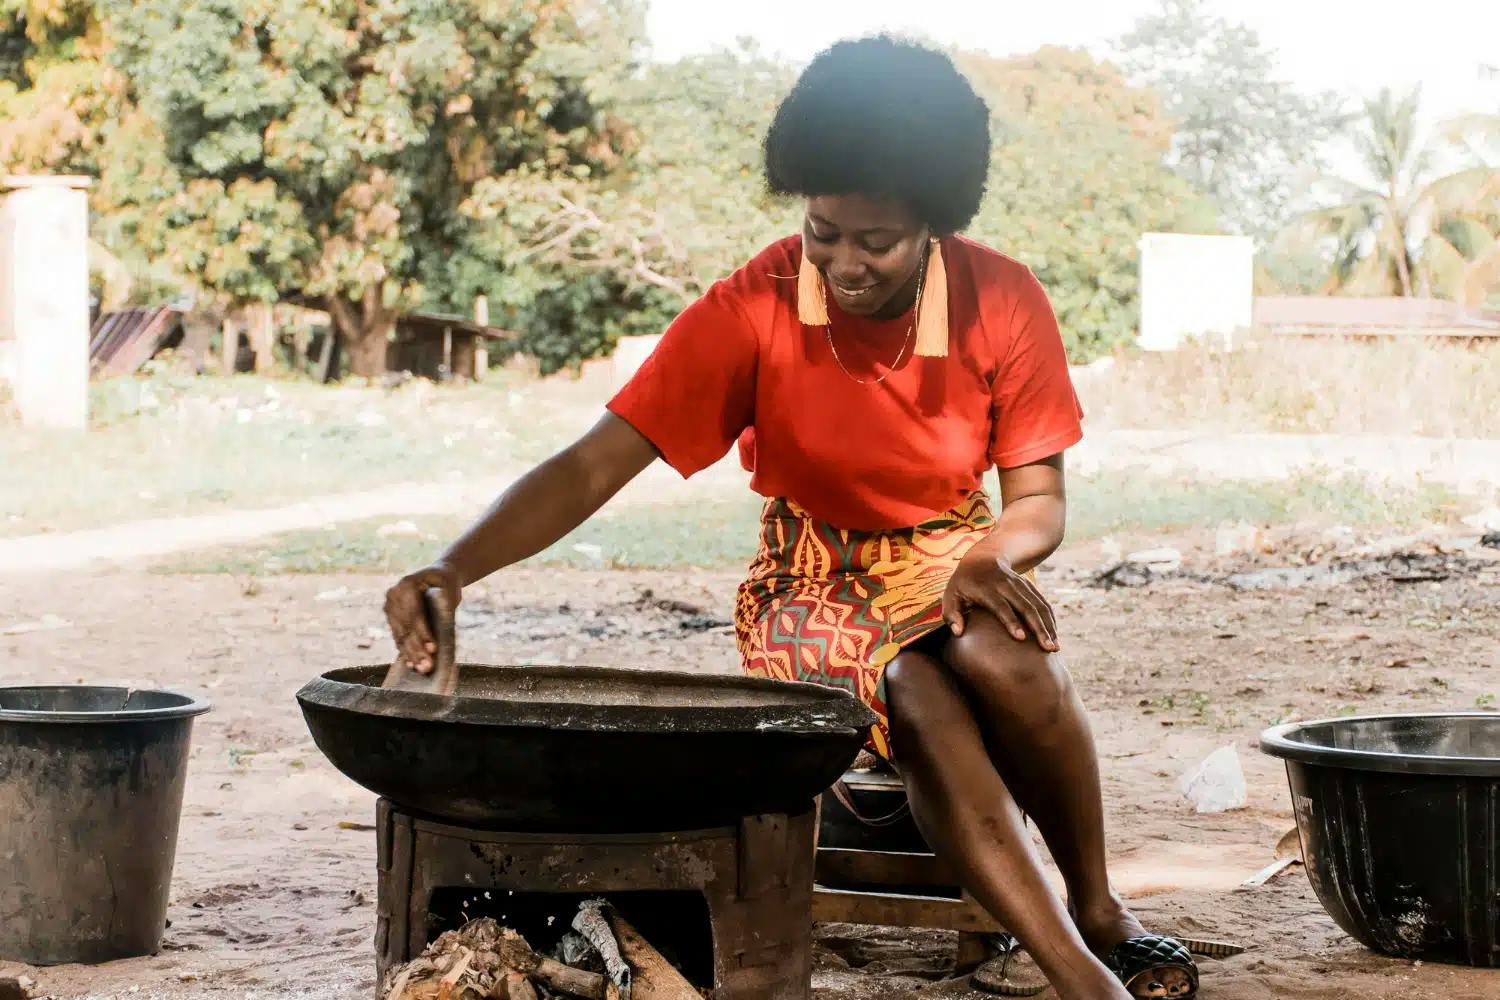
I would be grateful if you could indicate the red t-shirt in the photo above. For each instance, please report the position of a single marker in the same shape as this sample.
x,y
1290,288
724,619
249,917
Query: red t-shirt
x,y
737,364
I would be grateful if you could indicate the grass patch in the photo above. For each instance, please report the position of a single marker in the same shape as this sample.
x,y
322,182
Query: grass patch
x,y
722,534
165,444
169,444
1123,502
1310,386
714,534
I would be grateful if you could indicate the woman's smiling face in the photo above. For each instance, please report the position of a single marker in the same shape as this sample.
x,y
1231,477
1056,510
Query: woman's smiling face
x,y
869,250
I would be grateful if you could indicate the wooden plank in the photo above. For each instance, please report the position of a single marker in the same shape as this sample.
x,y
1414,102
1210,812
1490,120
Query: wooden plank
x,y
973,951
839,906
327,369
844,866
263,337
229,347
462,364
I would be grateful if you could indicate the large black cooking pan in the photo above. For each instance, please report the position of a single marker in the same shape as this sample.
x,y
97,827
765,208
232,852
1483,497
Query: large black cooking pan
x,y
587,749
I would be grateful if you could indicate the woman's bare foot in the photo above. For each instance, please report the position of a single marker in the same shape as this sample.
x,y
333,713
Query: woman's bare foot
x,y
1107,988
1105,925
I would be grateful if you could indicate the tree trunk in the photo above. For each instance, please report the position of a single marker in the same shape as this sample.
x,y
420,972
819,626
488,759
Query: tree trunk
x,y
363,330
1398,238
367,349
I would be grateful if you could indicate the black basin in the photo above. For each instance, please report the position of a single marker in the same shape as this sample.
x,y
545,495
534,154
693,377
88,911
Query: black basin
x,y
91,782
1400,823
587,749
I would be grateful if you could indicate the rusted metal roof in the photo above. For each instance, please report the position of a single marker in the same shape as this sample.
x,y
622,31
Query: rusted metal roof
x,y
1373,317
120,342
430,324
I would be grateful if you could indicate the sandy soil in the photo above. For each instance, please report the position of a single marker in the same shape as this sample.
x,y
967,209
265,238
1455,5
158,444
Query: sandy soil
x,y
272,899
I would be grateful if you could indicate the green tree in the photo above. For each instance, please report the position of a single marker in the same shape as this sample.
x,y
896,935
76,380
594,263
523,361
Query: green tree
x,y
57,92
620,253
59,100
1243,136
325,151
1077,174
1403,227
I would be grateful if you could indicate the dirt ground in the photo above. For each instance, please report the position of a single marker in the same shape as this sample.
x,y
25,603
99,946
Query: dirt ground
x,y
272,899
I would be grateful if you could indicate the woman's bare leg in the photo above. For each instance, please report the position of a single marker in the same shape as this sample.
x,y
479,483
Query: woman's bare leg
x,y
1039,738
968,816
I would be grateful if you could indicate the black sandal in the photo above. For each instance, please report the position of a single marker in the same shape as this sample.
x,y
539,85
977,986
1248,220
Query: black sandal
x,y
1154,966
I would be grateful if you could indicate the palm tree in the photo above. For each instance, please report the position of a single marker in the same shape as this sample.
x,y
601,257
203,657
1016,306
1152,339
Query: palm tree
x,y
1399,229
1479,135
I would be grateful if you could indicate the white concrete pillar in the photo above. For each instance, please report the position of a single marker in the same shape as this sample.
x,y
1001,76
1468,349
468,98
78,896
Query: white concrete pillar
x,y
1195,287
44,298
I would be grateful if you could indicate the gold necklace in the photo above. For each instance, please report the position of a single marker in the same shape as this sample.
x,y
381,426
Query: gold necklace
x,y
905,343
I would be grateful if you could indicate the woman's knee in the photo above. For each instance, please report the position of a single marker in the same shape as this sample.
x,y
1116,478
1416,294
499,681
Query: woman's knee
x,y
987,656
934,725
920,693
906,676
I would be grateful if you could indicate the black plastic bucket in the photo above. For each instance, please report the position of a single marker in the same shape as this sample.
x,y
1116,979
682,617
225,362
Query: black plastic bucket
x,y
1400,823
91,785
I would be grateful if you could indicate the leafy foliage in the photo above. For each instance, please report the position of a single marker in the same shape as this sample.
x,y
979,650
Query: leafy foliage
x,y
577,316
57,95
1077,175
375,156
1404,228
324,151
621,253
1241,135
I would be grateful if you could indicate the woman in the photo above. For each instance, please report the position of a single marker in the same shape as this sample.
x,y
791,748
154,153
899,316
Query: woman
x,y
871,370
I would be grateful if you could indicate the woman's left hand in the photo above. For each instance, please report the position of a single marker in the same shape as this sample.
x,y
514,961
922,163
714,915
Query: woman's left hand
x,y
991,584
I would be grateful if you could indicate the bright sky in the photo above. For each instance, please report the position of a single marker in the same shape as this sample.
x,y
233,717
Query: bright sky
x,y
1351,46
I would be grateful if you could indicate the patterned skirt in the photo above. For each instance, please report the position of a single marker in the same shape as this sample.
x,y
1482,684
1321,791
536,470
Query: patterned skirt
x,y
834,606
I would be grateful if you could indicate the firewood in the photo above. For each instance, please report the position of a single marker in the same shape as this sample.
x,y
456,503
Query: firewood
x,y
518,987
516,955
592,922
466,964
655,978
574,982
453,975
480,961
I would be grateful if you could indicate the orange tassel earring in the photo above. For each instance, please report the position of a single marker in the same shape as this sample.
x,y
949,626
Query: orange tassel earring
x,y
932,310
812,307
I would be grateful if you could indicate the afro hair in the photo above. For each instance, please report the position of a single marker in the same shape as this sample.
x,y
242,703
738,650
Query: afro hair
x,y
885,118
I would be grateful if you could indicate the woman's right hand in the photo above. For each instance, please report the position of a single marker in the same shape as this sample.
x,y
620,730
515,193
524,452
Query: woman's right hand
x,y
406,613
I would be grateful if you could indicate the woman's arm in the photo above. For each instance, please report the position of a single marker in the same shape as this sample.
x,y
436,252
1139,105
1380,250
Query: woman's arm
x,y
540,508
992,574
1033,515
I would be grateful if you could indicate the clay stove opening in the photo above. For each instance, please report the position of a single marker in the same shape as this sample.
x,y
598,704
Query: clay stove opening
x,y
676,923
